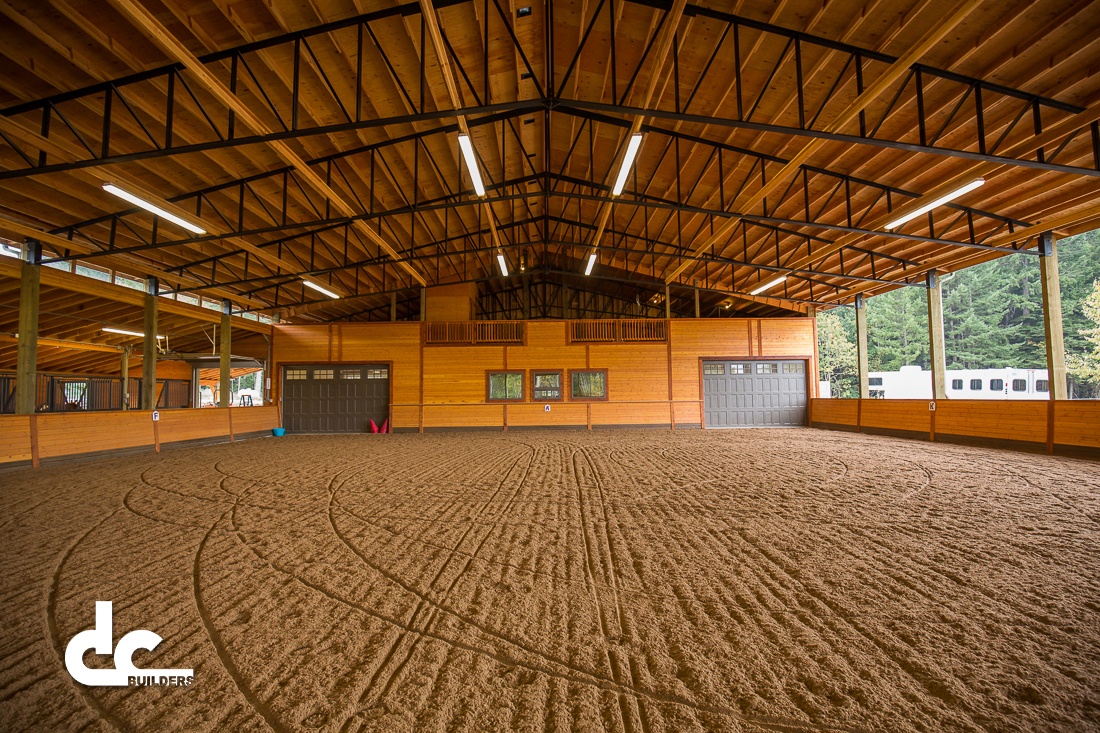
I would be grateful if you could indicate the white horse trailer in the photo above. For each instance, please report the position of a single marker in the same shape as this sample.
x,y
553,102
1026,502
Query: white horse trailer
x,y
913,383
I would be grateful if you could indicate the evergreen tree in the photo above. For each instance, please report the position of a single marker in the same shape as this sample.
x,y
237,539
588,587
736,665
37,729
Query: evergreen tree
x,y
837,352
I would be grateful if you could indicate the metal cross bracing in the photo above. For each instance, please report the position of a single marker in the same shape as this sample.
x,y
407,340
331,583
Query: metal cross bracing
x,y
156,113
546,179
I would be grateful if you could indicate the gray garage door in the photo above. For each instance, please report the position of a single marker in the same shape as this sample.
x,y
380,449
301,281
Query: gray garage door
x,y
754,393
335,398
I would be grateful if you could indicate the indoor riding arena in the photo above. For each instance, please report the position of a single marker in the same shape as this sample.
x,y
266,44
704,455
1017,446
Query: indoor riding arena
x,y
460,365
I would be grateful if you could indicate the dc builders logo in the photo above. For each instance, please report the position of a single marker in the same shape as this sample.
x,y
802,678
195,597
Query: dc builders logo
x,y
125,674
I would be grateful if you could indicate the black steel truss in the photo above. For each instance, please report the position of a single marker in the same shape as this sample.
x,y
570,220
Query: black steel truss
x,y
158,112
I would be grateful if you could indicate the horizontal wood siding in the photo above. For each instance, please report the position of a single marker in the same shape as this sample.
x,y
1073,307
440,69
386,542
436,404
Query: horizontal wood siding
x,y
834,412
15,438
904,415
995,419
177,426
463,416
72,433
254,419
561,414
1077,423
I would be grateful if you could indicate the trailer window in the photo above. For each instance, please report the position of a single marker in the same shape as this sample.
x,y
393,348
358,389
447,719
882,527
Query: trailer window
x,y
1042,385
874,381
996,385
976,385
1019,385
956,384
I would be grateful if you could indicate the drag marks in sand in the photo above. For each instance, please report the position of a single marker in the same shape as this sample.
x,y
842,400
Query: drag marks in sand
x,y
638,581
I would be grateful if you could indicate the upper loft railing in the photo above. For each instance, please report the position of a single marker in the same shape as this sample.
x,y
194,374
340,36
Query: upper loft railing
x,y
622,330
461,333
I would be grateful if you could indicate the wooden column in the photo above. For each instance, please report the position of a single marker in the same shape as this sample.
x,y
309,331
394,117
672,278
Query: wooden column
x,y
26,369
1052,316
423,304
668,303
861,347
225,354
935,337
697,309
393,306
124,371
149,347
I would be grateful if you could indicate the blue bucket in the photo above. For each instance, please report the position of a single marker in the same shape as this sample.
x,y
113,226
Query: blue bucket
x,y
278,432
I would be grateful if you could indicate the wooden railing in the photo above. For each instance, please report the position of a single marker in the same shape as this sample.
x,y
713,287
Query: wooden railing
x,y
611,331
473,332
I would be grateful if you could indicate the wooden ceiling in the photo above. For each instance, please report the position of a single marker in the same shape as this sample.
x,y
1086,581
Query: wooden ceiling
x,y
319,139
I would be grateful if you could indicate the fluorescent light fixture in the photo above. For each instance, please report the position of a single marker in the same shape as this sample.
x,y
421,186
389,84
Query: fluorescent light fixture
x,y
124,332
319,289
768,285
471,163
111,188
628,160
503,264
938,202
591,263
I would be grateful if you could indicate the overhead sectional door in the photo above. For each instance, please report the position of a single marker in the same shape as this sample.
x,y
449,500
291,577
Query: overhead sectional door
x,y
335,398
754,393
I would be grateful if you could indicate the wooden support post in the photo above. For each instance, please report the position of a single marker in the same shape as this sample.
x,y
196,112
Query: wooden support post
x,y
697,308
861,347
1052,316
423,304
393,306
149,347
225,354
668,303
935,337
26,370
124,373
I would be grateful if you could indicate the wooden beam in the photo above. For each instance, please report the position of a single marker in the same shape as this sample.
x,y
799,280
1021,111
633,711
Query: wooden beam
x,y
900,67
1052,317
158,34
149,348
64,344
936,357
861,348
26,370
225,352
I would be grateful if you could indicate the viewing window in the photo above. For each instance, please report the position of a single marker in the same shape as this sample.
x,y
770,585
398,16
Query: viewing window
x,y
383,373
322,373
797,367
976,385
956,384
996,385
874,381
296,374
546,385
1019,385
1042,385
350,374
714,369
588,384
762,368
504,386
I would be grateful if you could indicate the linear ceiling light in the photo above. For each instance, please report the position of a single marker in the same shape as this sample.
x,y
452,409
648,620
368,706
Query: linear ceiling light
x,y
628,160
111,188
124,332
503,264
591,263
768,285
319,289
471,163
933,204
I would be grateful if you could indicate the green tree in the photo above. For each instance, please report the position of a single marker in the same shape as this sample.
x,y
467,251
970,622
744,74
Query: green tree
x,y
1085,365
897,330
836,352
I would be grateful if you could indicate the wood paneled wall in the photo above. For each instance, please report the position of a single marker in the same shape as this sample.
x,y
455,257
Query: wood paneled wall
x,y
45,437
440,387
1063,426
